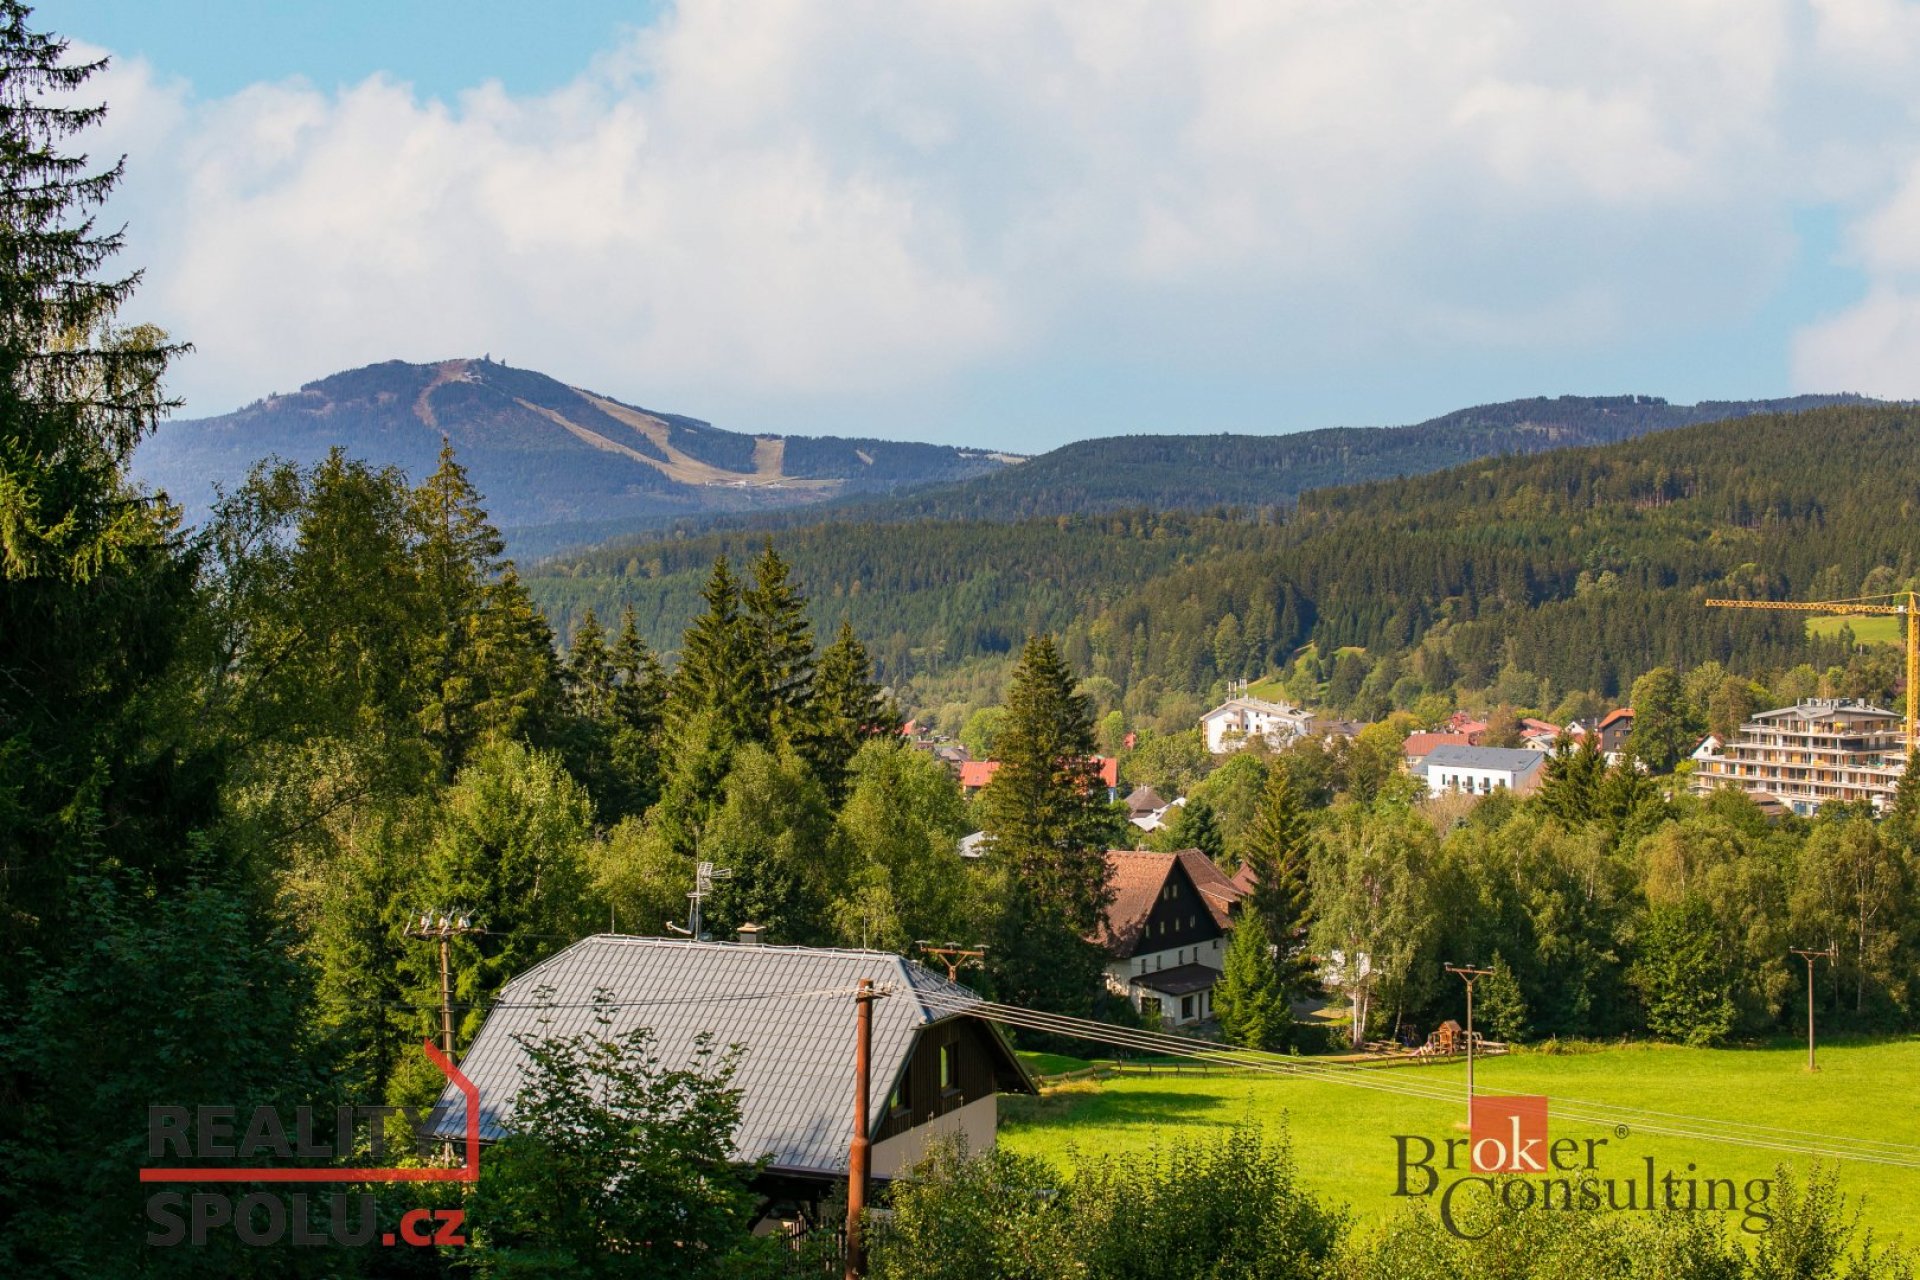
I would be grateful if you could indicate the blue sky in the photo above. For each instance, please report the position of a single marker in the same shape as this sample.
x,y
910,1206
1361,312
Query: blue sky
x,y
1025,222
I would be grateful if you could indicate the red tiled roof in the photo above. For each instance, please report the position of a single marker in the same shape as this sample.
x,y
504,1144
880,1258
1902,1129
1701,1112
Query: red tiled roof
x,y
1244,879
1419,744
1617,714
1538,726
1136,878
978,773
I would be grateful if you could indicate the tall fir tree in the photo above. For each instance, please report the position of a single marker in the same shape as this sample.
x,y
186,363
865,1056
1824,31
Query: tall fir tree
x,y
488,665
782,643
639,715
1570,787
715,680
122,903
1199,828
1251,1000
1276,849
1050,824
590,677
848,709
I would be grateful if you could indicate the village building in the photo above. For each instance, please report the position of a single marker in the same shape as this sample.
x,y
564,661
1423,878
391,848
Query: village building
x,y
976,774
1238,721
1482,771
1165,931
1612,731
935,1070
1419,744
1810,754
1147,811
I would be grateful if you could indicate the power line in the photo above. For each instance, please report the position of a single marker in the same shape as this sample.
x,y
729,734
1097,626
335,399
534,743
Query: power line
x,y
1669,1124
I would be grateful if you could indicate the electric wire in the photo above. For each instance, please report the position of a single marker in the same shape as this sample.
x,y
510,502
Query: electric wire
x,y
1643,1120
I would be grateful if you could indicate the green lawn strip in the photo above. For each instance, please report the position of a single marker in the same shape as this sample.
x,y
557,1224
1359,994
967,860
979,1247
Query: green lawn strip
x,y
1869,629
1343,1135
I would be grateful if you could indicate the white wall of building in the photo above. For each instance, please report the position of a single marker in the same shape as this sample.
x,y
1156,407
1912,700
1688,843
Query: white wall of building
x,y
1480,782
977,1124
1120,973
1231,726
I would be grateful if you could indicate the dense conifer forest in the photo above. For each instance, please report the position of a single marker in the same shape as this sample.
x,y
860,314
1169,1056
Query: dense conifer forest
x,y
1561,573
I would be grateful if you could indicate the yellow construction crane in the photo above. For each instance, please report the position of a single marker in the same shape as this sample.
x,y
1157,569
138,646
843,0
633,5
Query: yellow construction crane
x,y
1904,604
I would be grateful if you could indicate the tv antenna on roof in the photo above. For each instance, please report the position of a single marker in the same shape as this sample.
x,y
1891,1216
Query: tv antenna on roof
x,y
703,877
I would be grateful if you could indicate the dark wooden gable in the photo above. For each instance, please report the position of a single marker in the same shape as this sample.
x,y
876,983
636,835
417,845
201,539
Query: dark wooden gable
x,y
979,1062
1180,916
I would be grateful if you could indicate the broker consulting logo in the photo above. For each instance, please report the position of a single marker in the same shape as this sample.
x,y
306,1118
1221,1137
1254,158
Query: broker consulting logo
x,y
1510,1160
263,1217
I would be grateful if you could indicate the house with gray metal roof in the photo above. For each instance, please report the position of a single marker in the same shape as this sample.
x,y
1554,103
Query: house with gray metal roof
x,y
1482,770
935,1070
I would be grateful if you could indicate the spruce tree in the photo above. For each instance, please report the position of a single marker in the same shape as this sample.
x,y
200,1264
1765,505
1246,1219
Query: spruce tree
x,y
592,696
488,665
716,678
1277,848
1050,824
848,709
115,866
1251,998
589,671
639,716
782,643
1570,785
1199,828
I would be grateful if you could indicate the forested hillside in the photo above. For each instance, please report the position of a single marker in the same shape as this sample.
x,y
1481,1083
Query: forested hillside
x,y
1195,472
1564,572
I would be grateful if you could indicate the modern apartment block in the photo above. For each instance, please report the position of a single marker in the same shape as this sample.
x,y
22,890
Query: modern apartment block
x,y
1810,754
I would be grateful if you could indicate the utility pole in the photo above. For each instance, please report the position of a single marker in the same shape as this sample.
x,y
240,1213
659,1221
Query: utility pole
x,y
1831,955
443,928
859,1155
1469,976
955,956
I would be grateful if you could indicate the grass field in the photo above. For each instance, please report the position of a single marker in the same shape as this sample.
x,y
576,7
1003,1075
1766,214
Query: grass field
x,y
1342,1135
1866,630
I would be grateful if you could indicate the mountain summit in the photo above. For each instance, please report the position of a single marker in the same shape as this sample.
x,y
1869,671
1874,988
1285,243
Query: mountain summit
x,y
540,451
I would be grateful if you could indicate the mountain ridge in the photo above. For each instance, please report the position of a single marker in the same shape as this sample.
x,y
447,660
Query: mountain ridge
x,y
561,466
1196,472
541,451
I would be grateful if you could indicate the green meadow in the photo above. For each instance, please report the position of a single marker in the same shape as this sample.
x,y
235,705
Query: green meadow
x,y
1870,629
1343,1135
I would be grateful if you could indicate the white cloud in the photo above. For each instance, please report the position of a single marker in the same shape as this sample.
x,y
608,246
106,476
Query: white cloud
x,y
761,203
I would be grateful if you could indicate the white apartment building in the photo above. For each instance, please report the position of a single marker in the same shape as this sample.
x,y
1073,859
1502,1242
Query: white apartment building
x,y
1481,771
1810,754
1237,721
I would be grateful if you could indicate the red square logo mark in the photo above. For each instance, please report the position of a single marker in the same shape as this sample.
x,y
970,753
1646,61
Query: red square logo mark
x,y
1510,1134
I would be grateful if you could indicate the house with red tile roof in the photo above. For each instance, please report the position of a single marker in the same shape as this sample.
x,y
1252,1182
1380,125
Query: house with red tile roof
x,y
975,774
1418,745
1165,930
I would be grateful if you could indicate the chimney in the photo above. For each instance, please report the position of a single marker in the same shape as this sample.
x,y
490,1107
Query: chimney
x,y
750,935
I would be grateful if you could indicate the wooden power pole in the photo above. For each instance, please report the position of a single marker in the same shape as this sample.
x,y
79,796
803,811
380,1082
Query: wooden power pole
x,y
1831,954
437,927
1469,976
954,956
859,1155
